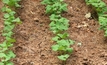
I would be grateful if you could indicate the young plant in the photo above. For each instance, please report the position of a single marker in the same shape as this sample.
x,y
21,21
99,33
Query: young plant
x,y
63,45
101,10
11,3
55,6
59,25
6,54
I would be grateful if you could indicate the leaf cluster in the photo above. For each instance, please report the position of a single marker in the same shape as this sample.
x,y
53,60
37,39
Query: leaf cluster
x,y
9,23
55,6
101,9
63,45
59,25
11,3
99,5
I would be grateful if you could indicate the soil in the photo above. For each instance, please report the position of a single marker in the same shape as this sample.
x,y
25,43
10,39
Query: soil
x,y
33,45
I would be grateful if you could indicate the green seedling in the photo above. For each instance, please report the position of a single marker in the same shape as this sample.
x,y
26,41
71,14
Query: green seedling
x,y
55,6
11,3
63,45
59,25
63,57
101,9
49,2
9,23
99,6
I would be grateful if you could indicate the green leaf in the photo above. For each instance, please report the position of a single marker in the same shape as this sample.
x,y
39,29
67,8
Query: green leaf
x,y
12,3
6,9
63,57
12,13
55,38
56,8
3,47
62,48
105,33
1,63
10,55
8,34
55,17
55,47
6,22
52,24
64,35
2,55
6,15
9,44
63,43
8,28
5,1
11,40
70,50
17,20
61,0
103,21
17,5
9,63
71,42
3,44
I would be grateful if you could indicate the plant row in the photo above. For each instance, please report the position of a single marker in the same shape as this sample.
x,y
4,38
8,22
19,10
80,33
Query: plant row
x,y
59,25
6,54
101,10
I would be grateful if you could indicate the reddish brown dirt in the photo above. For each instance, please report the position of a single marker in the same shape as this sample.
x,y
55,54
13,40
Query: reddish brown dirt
x,y
33,46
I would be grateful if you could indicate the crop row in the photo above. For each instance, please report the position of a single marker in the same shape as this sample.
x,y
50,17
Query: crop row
x,y
6,54
59,25
101,10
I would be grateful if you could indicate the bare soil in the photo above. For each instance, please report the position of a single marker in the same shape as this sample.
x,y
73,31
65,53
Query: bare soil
x,y
33,46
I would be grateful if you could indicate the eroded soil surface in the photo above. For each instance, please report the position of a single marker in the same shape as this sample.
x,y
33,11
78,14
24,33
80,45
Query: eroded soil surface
x,y
33,46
